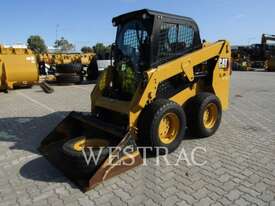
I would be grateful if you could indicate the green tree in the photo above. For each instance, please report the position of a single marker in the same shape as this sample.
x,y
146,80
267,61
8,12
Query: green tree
x,y
108,51
102,51
36,44
63,45
86,49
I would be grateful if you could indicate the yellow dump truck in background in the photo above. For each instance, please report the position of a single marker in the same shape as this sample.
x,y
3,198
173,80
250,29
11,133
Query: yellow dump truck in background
x,y
18,68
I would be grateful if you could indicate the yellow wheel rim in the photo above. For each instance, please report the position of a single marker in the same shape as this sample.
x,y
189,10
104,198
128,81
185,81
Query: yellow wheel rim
x,y
210,116
84,143
169,128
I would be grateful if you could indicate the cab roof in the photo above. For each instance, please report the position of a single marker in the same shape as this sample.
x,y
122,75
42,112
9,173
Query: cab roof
x,y
136,14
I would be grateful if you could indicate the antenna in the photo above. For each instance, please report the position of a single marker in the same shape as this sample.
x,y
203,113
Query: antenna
x,y
56,31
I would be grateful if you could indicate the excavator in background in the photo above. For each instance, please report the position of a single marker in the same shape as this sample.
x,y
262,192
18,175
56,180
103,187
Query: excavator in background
x,y
262,56
269,51
164,79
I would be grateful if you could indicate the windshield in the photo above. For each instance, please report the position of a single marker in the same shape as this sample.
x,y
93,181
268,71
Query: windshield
x,y
133,40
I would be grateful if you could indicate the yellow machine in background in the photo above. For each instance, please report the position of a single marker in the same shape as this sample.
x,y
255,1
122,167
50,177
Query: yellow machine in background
x,y
70,63
59,58
240,59
2,85
86,58
255,56
270,64
18,68
269,50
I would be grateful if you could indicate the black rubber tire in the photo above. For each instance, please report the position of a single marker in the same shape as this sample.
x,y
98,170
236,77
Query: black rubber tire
x,y
69,68
149,122
76,160
92,70
68,78
194,112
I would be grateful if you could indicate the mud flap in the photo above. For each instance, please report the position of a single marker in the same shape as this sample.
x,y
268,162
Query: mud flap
x,y
124,157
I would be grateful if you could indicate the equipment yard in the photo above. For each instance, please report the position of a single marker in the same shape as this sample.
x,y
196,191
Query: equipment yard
x,y
240,167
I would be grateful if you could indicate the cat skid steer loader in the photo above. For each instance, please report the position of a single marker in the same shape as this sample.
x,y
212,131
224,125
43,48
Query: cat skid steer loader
x,y
163,80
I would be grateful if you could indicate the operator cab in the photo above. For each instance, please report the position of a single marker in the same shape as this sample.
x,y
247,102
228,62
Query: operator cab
x,y
144,40
150,38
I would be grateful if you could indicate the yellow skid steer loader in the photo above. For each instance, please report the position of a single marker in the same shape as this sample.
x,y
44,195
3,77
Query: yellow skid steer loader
x,y
164,79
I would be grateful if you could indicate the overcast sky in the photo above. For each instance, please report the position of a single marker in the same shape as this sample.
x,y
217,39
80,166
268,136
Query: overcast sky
x,y
85,22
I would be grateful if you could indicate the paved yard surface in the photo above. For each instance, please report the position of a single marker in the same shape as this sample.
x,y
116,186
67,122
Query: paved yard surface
x,y
240,157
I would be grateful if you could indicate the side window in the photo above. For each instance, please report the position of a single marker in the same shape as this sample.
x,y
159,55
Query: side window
x,y
172,34
186,35
168,36
174,39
